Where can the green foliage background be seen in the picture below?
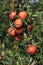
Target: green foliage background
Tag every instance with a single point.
(19, 56)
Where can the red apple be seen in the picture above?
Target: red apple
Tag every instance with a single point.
(11, 31)
(12, 14)
(23, 15)
(31, 49)
(18, 23)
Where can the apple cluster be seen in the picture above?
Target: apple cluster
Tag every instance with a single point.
(18, 29)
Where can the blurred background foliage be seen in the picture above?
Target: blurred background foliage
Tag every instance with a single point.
(19, 56)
